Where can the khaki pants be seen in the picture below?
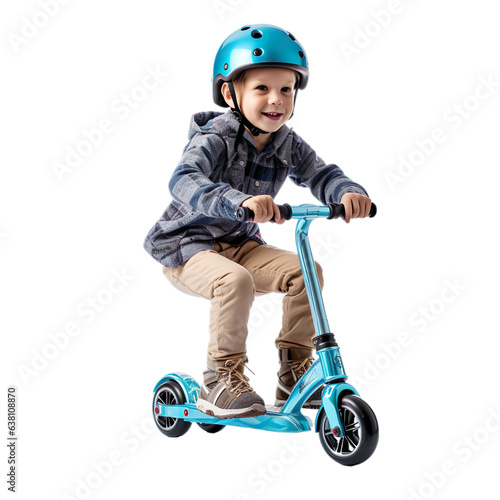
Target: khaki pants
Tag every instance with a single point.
(230, 276)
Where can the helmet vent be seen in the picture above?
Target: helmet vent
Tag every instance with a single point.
(301, 54)
(291, 36)
(256, 34)
(245, 28)
(257, 52)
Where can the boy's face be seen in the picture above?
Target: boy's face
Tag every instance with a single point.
(264, 90)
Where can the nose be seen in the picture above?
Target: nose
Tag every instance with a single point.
(275, 98)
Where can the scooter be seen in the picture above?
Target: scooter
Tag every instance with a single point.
(347, 426)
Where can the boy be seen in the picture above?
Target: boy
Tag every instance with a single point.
(242, 158)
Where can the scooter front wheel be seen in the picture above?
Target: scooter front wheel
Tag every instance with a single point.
(361, 432)
(170, 393)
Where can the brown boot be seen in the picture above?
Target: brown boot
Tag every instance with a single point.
(293, 364)
(226, 393)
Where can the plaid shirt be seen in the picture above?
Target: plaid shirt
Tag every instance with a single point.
(212, 179)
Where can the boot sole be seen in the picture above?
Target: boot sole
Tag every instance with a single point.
(210, 409)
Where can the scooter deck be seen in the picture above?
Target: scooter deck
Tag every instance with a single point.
(273, 420)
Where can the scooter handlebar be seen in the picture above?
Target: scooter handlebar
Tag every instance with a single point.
(338, 210)
(245, 214)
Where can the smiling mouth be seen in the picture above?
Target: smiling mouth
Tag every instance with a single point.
(273, 116)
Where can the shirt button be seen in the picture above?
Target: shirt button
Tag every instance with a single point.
(285, 162)
(242, 162)
(256, 183)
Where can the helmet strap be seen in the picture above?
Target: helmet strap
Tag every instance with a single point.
(294, 99)
(241, 117)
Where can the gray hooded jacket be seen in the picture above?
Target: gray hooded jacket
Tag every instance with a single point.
(212, 179)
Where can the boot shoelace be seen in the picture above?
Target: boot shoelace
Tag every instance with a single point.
(299, 367)
(234, 379)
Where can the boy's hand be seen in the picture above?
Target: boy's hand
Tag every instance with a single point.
(356, 206)
(264, 208)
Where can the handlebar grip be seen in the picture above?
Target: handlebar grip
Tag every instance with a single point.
(245, 214)
(338, 210)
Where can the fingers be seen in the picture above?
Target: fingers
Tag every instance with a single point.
(364, 206)
(277, 214)
(348, 210)
(269, 209)
(356, 206)
(264, 209)
(367, 207)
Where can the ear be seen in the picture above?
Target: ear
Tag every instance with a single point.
(227, 95)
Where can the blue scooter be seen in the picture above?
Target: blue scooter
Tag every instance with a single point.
(347, 426)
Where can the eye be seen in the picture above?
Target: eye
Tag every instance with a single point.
(261, 87)
(286, 89)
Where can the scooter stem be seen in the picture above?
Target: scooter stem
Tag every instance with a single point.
(310, 275)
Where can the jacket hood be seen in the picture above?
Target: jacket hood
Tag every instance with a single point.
(224, 124)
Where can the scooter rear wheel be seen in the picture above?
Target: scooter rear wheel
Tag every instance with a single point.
(361, 432)
(170, 393)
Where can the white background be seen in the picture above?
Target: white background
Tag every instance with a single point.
(433, 247)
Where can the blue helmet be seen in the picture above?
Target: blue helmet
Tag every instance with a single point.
(257, 45)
